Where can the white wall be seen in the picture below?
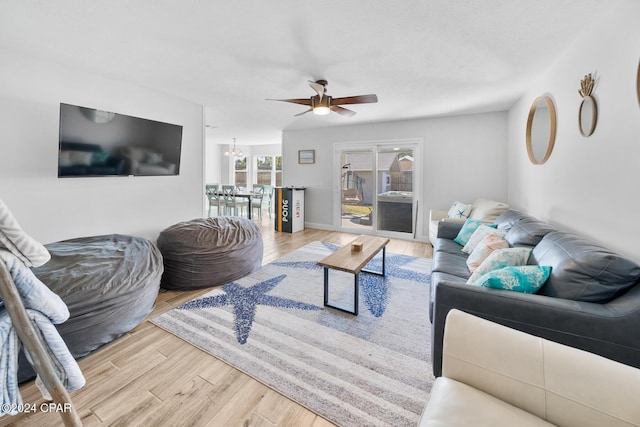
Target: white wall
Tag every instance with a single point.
(52, 209)
(213, 162)
(588, 185)
(464, 157)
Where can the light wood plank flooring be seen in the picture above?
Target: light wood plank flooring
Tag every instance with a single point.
(149, 377)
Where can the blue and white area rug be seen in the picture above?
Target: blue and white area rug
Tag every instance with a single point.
(373, 369)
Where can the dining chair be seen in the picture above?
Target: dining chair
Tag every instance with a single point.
(242, 202)
(228, 199)
(268, 195)
(211, 190)
(258, 199)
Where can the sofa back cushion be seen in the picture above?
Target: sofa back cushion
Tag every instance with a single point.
(581, 270)
(507, 219)
(527, 232)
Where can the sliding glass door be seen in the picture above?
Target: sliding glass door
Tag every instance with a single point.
(395, 198)
(377, 188)
(357, 188)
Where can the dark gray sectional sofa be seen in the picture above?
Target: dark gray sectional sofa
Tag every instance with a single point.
(591, 300)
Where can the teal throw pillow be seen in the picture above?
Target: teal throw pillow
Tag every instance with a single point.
(527, 279)
(470, 225)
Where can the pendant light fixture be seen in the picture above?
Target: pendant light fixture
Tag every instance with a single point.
(233, 152)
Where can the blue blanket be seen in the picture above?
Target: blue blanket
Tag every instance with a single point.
(45, 309)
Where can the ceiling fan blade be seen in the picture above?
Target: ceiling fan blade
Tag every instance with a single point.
(302, 101)
(361, 99)
(304, 112)
(319, 88)
(343, 111)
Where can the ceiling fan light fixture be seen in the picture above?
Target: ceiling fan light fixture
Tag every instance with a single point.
(321, 111)
(321, 105)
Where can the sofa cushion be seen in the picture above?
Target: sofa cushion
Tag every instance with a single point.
(448, 246)
(449, 229)
(455, 265)
(527, 279)
(453, 403)
(487, 210)
(527, 232)
(583, 271)
(500, 259)
(506, 220)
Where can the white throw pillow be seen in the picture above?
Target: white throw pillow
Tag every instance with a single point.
(477, 236)
(459, 210)
(499, 259)
(487, 210)
(486, 247)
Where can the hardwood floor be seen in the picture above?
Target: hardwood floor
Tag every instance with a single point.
(149, 377)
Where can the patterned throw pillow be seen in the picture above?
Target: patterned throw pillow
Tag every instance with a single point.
(477, 236)
(526, 278)
(459, 210)
(486, 247)
(470, 225)
(500, 259)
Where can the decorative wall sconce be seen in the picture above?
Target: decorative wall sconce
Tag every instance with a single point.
(588, 113)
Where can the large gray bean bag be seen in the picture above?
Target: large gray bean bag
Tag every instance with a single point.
(207, 252)
(109, 283)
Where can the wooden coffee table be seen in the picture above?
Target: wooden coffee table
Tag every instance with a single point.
(344, 259)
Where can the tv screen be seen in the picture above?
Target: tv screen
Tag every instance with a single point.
(101, 143)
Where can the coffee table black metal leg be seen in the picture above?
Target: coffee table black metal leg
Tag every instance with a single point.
(356, 287)
(356, 283)
(326, 286)
(384, 257)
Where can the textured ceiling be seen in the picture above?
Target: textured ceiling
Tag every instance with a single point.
(422, 58)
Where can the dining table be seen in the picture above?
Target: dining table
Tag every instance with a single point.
(249, 195)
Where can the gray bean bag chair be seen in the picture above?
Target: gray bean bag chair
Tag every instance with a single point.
(109, 283)
(207, 252)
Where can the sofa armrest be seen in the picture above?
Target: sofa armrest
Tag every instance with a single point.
(496, 360)
(437, 214)
(556, 383)
(598, 328)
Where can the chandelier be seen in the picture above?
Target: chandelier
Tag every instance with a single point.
(233, 152)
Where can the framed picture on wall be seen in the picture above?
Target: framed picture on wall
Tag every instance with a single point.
(306, 156)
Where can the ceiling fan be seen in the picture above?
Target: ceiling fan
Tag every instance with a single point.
(322, 104)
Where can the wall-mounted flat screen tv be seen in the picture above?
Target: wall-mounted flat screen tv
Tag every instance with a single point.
(101, 143)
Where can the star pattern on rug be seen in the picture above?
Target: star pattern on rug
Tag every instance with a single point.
(374, 288)
(245, 301)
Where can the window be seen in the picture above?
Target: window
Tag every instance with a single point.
(240, 171)
(279, 171)
(264, 168)
(268, 170)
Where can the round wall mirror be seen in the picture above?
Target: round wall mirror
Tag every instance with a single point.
(541, 130)
(587, 116)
